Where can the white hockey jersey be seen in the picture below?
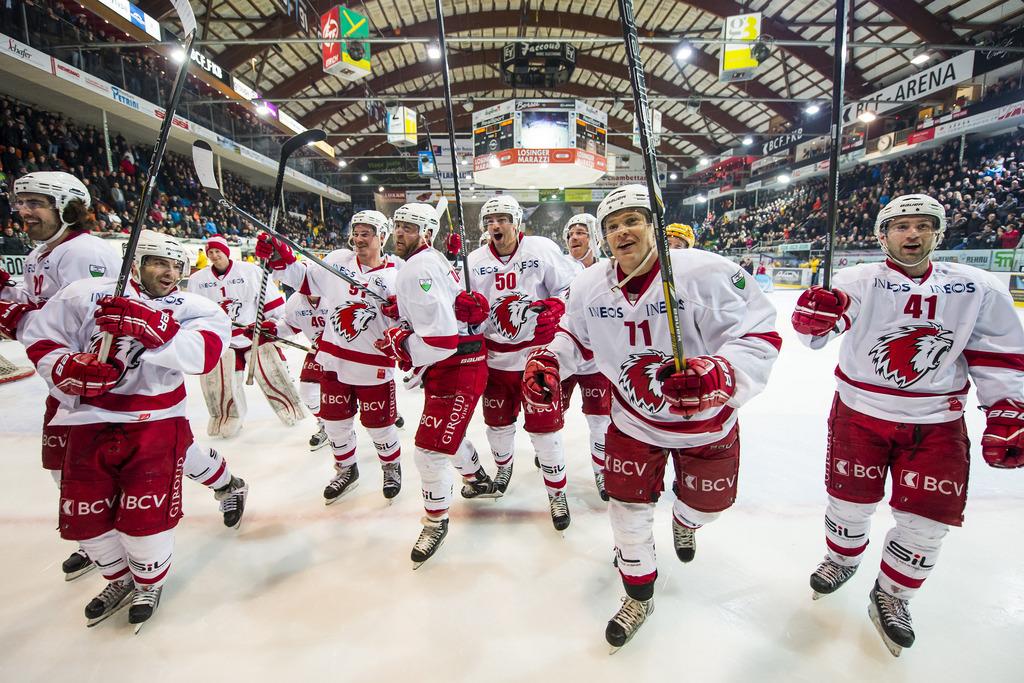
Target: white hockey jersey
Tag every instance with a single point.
(586, 367)
(427, 286)
(721, 312)
(152, 383)
(536, 270)
(236, 291)
(910, 347)
(303, 317)
(354, 321)
(80, 256)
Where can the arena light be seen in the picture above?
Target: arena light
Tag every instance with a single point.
(434, 51)
(177, 55)
(784, 179)
(867, 116)
(342, 163)
(704, 161)
(920, 58)
(683, 52)
(263, 110)
(380, 188)
(701, 199)
(747, 140)
(812, 109)
(468, 104)
(673, 176)
(364, 177)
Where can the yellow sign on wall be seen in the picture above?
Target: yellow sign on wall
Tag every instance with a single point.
(735, 61)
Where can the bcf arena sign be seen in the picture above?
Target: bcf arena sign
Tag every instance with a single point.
(343, 57)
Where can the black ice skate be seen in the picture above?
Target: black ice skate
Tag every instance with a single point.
(891, 617)
(319, 440)
(429, 541)
(536, 462)
(559, 506)
(77, 564)
(144, 604)
(232, 501)
(599, 480)
(399, 421)
(502, 478)
(685, 540)
(479, 485)
(112, 599)
(346, 479)
(627, 621)
(392, 479)
(828, 577)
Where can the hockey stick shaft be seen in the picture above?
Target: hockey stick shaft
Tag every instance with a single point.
(643, 118)
(275, 338)
(838, 83)
(150, 186)
(459, 214)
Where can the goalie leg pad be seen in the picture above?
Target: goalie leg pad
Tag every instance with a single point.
(220, 390)
(273, 380)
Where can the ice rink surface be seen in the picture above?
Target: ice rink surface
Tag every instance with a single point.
(308, 592)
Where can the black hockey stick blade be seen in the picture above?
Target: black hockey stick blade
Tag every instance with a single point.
(202, 159)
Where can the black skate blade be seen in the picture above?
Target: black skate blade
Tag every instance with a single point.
(815, 595)
(893, 648)
(125, 601)
(71, 576)
(350, 489)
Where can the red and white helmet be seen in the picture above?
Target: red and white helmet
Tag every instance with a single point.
(153, 243)
(502, 204)
(590, 223)
(911, 205)
(63, 188)
(375, 219)
(423, 215)
(625, 197)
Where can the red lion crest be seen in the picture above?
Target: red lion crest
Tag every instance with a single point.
(909, 353)
(125, 352)
(508, 314)
(351, 319)
(639, 382)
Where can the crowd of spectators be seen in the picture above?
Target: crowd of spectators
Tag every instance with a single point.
(983, 196)
(36, 140)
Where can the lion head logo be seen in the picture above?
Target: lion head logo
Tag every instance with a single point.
(639, 382)
(125, 352)
(508, 314)
(233, 307)
(351, 319)
(909, 353)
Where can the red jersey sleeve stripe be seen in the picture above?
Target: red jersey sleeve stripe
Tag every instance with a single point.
(41, 349)
(772, 338)
(445, 342)
(213, 347)
(994, 359)
(271, 305)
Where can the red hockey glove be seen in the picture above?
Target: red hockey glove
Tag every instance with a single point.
(11, 315)
(276, 253)
(131, 318)
(390, 309)
(1003, 442)
(82, 374)
(551, 311)
(5, 279)
(707, 382)
(541, 384)
(268, 326)
(471, 307)
(453, 245)
(392, 345)
(818, 310)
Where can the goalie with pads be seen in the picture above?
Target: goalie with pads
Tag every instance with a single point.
(235, 287)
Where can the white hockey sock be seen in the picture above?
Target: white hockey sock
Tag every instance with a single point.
(309, 392)
(466, 460)
(206, 466)
(435, 480)
(911, 550)
(847, 526)
(56, 477)
(688, 517)
(108, 553)
(342, 434)
(387, 442)
(149, 557)
(598, 427)
(633, 530)
(503, 443)
(552, 460)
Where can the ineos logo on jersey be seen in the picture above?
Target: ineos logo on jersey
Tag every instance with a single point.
(891, 286)
(953, 288)
(521, 266)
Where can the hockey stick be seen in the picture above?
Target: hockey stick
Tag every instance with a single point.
(642, 114)
(838, 82)
(275, 338)
(188, 23)
(290, 146)
(461, 230)
(202, 158)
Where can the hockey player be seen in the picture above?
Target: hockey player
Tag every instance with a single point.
(521, 278)
(235, 287)
(356, 376)
(914, 333)
(128, 436)
(308, 315)
(582, 236)
(430, 300)
(616, 317)
(680, 236)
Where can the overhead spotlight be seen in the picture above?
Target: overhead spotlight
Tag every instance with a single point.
(463, 162)
(177, 55)
(468, 104)
(704, 161)
(342, 163)
(380, 188)
(784, 179)
(673, 176)
(693, 104)
(701, 199)
(364, 177)
(867, 116)
(812, 109)
(920, 57)
(434, 51)
(762, 49)
(747, 140)
(263, 110)
(684, 51)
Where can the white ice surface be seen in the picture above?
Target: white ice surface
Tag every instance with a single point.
(304, 591)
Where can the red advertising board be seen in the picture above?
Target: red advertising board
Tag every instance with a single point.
(330, 29)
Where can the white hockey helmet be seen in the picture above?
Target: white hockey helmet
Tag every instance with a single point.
(590, 223)
(62, 187)
(502, 204)
(911, 205)
(153, 243)
(625, 197)
(374, 219)
(423, 215)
